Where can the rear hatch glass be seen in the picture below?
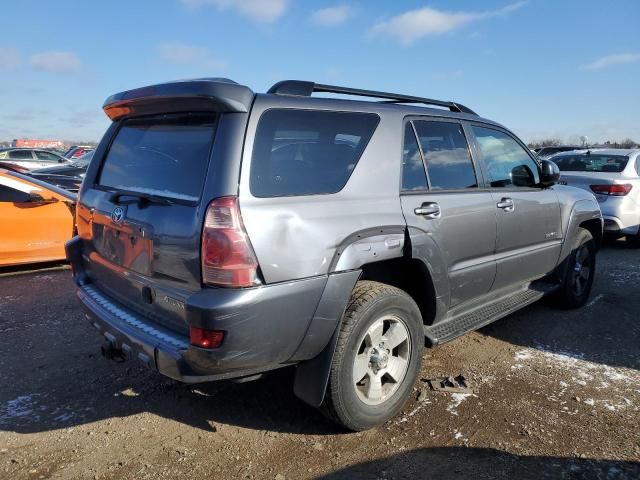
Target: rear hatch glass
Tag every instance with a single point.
(592, 163)
(165, 156)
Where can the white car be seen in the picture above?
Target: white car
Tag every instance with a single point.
(31, 158)
(613, 176)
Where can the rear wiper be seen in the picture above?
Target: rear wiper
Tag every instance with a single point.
(141, 197)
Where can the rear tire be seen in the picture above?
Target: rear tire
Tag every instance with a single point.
(579, 271)
(633, 240)
(377, 357)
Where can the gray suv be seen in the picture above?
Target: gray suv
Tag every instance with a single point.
(223, 234)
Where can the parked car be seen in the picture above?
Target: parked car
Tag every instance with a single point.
(224, 234)
(30, 158)
(546, 152)
(77, 151)
(37, 220)
(68, 176)
(613, 175)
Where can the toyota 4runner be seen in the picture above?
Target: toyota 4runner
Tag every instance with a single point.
(224, 233)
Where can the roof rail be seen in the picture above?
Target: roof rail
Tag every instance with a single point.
(305, 89)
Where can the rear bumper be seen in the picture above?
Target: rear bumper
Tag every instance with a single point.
(265, 328)
(621, 215)
(616, 225)
(259, 335)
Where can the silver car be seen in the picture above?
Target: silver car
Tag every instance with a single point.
(613, 176)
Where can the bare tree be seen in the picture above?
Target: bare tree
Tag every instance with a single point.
(547, 142)
(628, 143)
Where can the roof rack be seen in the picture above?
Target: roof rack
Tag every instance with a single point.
(305, 89)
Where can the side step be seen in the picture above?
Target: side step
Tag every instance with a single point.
(456, 326)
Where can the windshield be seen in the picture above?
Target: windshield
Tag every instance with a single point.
(591, 163)
(165, 156)
(83, 160)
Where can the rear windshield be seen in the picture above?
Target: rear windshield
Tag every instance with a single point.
(591, 163)
(307, 152)
(166, 156)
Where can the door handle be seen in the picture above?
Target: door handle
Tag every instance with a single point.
(506, 204)
(428, 210)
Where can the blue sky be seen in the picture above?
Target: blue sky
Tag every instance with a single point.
(542, 67)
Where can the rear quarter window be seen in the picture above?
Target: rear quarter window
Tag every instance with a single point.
(307, 152)
(592, 163)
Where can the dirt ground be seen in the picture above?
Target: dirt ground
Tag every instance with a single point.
(557, 395)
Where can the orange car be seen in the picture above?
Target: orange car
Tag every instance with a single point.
(36, 219)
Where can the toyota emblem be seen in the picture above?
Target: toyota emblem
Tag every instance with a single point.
(117, 215)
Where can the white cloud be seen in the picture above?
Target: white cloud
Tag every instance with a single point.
(415, 24)
(56, 62)
(258, 10)
(185, 54)
(331, 16)
(9, 58)
(611, 60)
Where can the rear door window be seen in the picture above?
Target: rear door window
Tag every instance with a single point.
(21, 155)
(307, 152)
(446, 155)
(165, 156)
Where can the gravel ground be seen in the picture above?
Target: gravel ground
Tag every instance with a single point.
(556, 395)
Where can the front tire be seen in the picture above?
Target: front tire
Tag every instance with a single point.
(633, 240)
(579, 271)
(377, 357)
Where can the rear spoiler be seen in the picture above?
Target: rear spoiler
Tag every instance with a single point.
(206, 94)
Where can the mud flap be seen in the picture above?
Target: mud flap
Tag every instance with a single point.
(312, 375)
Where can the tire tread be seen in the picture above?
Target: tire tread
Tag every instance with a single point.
(362, 298)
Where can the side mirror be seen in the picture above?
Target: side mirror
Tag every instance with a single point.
(549, 173)
(37, 198)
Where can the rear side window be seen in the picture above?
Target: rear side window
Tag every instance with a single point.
(446, 155)
(591, 163)
(307, 152)
(21, 155)
(413, 174)
(166, 156)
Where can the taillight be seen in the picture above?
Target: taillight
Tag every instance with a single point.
(203, 338)
(228, 258)
(615, 190)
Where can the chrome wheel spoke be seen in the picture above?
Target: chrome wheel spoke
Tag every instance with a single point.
(396, 368)
(375, 333)
(373, 389)
(395, 335)
(360, 367)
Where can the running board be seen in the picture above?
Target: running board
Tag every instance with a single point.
(459, 325)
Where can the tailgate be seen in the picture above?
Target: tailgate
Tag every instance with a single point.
(141, 221)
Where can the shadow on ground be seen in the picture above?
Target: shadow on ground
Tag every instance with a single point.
(448, 463)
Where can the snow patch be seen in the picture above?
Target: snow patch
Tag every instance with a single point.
(456, 400)
(575, 370)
